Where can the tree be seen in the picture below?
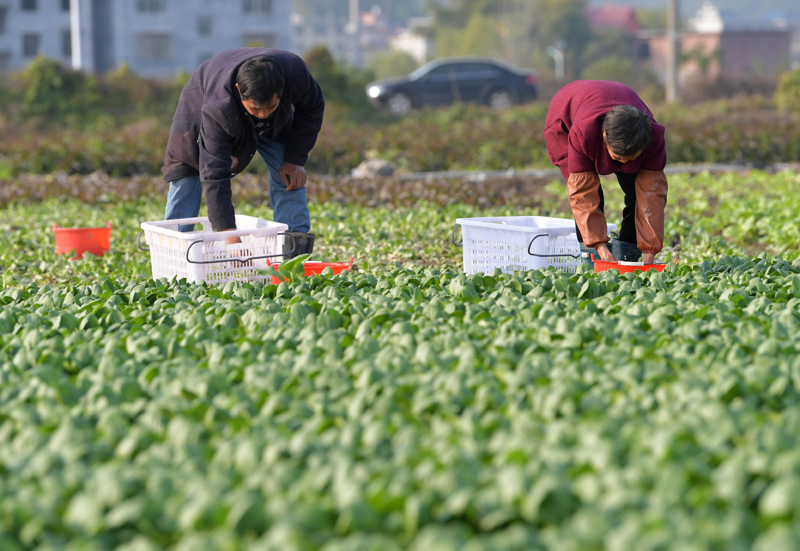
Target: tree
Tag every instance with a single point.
(652, 18)
(392, 63)
(50, 92)
(479, 37)
(787, 95)
(612, 67)
(342, 86)
(499, 28)
(563, 20)
(323, 68)
(607, 43)
(456, 13)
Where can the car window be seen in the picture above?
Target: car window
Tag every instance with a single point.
(474, 67)
(441, 70)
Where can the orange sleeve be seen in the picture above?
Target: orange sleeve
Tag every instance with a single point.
(651, 198)
(584, 199)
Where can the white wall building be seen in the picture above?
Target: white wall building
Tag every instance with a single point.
(156, 38)
(324, 29)
(25, 32)
(411, 41)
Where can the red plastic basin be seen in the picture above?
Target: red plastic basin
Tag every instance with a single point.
(82, 240)
(315, 268)
(626, 267)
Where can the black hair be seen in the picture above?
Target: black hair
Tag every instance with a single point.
(627, 130)
(259, 79)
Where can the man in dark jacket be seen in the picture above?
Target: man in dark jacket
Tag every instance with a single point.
(236, 103)
(597, 127)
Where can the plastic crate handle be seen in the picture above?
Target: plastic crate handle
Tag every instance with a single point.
(453, 237)
(139, 242)
(235, 259)
(535, 237)
(210, 237)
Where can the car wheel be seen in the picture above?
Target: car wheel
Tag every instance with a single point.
(399, 104)
(501, 99)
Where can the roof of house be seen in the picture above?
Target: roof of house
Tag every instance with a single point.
(614, 17)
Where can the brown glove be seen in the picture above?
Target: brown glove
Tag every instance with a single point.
(584, 199)
(651, 198)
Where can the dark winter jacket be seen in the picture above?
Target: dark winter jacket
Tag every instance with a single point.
(213, 135)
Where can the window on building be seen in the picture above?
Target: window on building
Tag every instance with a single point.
(3, 16)
(256, 40)
(28, 5)
(154, 47)
(66, 43)
(204, 26)
(5, 61)
(151, 5)
(257, 6)
(64, 5)
(30, 44)
(643, 51)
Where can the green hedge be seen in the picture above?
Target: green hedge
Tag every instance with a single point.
(459, 138)
(57, 120)
(787, 96)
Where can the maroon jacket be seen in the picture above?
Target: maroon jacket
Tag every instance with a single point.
(573, 129)
(213, 135)
(573, 134)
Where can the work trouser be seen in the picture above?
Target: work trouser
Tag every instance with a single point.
(627, 230)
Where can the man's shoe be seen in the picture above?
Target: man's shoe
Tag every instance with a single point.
(627, 252)
(297, 243)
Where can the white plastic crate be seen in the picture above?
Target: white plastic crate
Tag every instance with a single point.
(203, 255)
(514, 243)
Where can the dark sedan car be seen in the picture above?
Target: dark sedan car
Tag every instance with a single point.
(456, 79)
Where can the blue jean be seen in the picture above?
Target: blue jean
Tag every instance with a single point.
(289, 207)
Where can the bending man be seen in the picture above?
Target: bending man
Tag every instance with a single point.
(236, 103)
(597, 127)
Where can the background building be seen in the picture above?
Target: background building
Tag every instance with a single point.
(32, 27)
(613, 17)
(353, 37)
(155, 38)
(715, 44)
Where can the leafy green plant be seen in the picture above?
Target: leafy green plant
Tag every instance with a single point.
(289, 270)
(787, 96)
(408, 408)
(406, 405)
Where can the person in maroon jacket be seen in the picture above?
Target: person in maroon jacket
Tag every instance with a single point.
(237, 103)
(596, 128)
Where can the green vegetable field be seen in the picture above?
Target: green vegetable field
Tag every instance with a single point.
(403, 405)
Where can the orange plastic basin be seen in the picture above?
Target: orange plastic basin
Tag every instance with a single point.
(315, 268)
(625, 267)
(82, 240)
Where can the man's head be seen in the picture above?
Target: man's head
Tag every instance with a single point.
(626, 131)
(260, 83)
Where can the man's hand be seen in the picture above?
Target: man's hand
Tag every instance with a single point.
(605, 254)
(648, 258)
(294, 176)
(232, 240)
